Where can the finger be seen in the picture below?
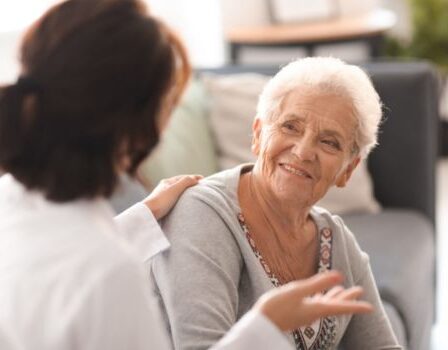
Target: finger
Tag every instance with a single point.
(315, 284)
(179, 178)
(316, 297)
(350, 294)
(189, 180)
(173, 180)
(345, 307)
(182, 184)
(333, 292)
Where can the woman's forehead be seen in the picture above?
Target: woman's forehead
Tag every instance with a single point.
(316, 107)
(322, 125)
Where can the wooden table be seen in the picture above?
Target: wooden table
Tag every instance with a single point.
(369, 28)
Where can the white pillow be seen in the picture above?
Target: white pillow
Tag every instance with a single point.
(232, 107)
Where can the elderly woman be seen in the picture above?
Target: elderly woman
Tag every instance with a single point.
(252, 228)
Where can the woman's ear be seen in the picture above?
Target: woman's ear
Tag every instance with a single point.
(256, 133)
(342, 180)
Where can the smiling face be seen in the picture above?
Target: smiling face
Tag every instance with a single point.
(306, 147)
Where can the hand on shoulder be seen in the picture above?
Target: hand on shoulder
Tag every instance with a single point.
(167, 192)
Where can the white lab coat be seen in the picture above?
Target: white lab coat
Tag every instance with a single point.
(68, 279)
(9, 339)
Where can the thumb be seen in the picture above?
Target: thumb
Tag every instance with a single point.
(189, 180)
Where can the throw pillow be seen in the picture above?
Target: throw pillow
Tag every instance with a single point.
(186, 146)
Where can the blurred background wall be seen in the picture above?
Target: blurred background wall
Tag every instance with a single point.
(201, 23)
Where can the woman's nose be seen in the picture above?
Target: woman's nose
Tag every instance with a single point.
(304, 149)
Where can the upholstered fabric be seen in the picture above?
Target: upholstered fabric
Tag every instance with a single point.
(401, 246)
(129, 192)
(187, 146)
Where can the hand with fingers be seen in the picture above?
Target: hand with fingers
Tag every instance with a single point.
(300, 303)
(167, 192)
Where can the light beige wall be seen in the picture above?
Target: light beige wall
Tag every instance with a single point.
(199, 24)
(15, 17)
(403, 27)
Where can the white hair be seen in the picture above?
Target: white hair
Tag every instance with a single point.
(328, 74)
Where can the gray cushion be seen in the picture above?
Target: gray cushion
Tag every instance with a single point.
(401, 246)
(129, 192)
(397, 324)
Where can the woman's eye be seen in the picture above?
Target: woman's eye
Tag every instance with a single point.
(331, 143)
(289, 127)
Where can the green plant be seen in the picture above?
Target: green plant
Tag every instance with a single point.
(430, 33)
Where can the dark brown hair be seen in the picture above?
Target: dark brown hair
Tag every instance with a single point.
(95, 76)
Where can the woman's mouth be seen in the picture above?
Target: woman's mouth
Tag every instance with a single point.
(296, 171)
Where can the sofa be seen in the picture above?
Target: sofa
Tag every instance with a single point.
(399, 237)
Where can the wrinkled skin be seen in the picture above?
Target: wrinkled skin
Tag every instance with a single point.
(305, 148)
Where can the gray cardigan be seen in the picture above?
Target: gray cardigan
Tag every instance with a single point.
(210, 277)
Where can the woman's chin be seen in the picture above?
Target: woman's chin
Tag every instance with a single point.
(295, 196)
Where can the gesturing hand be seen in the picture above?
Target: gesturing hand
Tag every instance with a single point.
(300, 303)
(167, 192)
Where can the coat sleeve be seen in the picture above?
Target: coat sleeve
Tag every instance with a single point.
(253, 331)
(141, 230)
(120, 312)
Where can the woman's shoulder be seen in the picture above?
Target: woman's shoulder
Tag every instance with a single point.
(206, 213)
(216, 196)
(202, 226)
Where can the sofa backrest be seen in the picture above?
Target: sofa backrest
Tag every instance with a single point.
(403, 166)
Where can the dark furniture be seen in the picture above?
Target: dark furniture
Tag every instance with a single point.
(368, 28)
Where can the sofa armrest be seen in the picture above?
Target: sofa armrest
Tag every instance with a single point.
(403, 166)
